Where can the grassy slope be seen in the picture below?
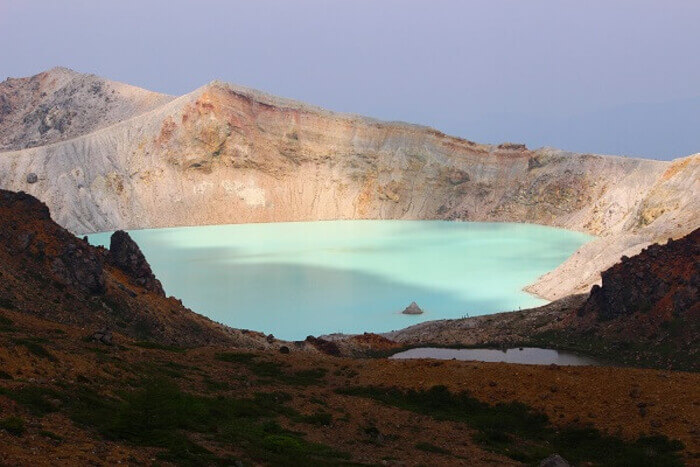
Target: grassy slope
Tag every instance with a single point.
(80, 401)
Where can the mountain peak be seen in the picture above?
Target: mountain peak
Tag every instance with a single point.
(61, 103)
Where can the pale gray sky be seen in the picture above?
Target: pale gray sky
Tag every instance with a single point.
(608, 76)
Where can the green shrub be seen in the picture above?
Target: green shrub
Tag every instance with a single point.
(518, 431)
(13, 425)
(35, 348)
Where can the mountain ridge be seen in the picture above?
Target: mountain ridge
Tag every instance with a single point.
(229, 154)
(61, 103)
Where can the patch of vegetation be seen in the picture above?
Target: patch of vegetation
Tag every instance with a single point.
(521, 433)
(159, 346)
(305, 377)
(35, 348)
(159, 414)
(13, 425)
(318, 418)
(5, 375)
(427, 447)
(8, 305)
(316, 400)
(214, 385)
(274, 371)
(6, 324)
(38, 400)
(232, 357)
(662, 354)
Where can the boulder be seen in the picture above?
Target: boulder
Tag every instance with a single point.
(412, 309)
(32, 178)
(103, 336)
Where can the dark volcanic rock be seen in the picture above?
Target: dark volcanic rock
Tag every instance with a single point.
(125, 254)
(103, 336)
(457, 176)
(647, 309)
(327, 347)
(512, 146)
(32, 178)
(661, 279)
(80, 267)
(72, 262)
(534, 163)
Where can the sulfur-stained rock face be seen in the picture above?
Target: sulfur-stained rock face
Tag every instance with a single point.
(227, 154)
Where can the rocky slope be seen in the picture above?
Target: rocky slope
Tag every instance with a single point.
(662, 282)
(48, 273)
(225, 154)
(650, 301)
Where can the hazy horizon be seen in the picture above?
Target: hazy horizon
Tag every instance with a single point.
(618, 78)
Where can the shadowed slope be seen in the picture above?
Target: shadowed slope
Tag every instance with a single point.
(49, 273)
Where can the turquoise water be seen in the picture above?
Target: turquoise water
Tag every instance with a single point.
(310, 278)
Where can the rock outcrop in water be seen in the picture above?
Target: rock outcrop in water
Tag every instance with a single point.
(412, 309)
(226, 154)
